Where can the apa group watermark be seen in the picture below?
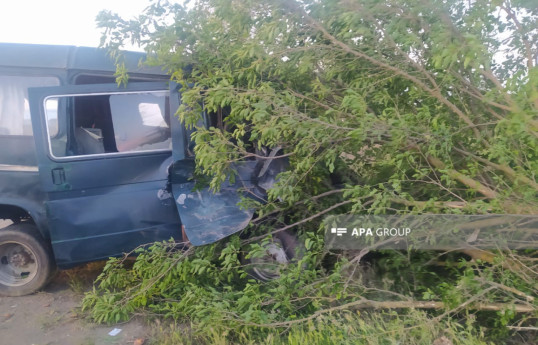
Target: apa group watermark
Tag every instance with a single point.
(339, 231)
(379, 232)
(443, 232)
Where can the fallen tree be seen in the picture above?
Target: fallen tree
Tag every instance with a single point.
(382, 107)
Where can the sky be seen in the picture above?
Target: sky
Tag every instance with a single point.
(67, 22)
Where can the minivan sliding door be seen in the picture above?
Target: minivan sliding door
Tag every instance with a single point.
(103, 155)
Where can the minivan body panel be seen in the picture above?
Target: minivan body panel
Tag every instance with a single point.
(93, 206)
(210, 216)
(102, 205)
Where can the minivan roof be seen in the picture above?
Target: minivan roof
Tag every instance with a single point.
(70, 57)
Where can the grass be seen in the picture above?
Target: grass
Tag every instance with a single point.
(375, 328)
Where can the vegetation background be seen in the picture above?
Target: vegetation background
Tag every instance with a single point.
(382, 107)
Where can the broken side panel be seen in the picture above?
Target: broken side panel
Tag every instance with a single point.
(208, 216)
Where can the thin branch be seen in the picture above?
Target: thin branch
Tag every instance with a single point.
(511, 173)
(305, 220)
(315, 197)
(466, 180)
(508, 289)
(519, 28)
(520, 328)
(443, 204)
(369, 304)
(249, 154)
(435, 93)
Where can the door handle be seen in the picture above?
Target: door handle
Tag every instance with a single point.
(58, 176)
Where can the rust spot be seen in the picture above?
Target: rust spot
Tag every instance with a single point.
(184, 236)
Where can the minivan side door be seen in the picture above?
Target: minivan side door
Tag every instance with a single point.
(104, 154)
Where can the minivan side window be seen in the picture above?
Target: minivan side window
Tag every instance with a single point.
(110, 123)
(14, 106)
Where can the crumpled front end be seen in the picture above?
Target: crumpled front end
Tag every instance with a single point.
(207, 216)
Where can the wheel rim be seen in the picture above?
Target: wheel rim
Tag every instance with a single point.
(18, 264)
(268, 266)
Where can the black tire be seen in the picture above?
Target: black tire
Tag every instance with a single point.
(26, 261)
(284, 249)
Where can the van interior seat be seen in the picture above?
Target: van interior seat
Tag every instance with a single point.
(89, 141)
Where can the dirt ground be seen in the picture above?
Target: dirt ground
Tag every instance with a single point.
(53, 317)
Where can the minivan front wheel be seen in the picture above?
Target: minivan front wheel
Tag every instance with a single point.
(283, 249)
(25, 260)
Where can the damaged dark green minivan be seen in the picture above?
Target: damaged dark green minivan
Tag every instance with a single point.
(90, 170)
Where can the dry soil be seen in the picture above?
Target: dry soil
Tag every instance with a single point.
(53, 317)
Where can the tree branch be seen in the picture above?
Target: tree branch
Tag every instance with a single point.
(519, 29)
(369, 304)
(435, 93)
(287, 227)
(511, 173)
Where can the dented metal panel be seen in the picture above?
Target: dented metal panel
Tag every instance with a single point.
(209, 216)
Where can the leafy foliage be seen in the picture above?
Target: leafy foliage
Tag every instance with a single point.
(382, 107)
(209, 288)
(400, 102)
